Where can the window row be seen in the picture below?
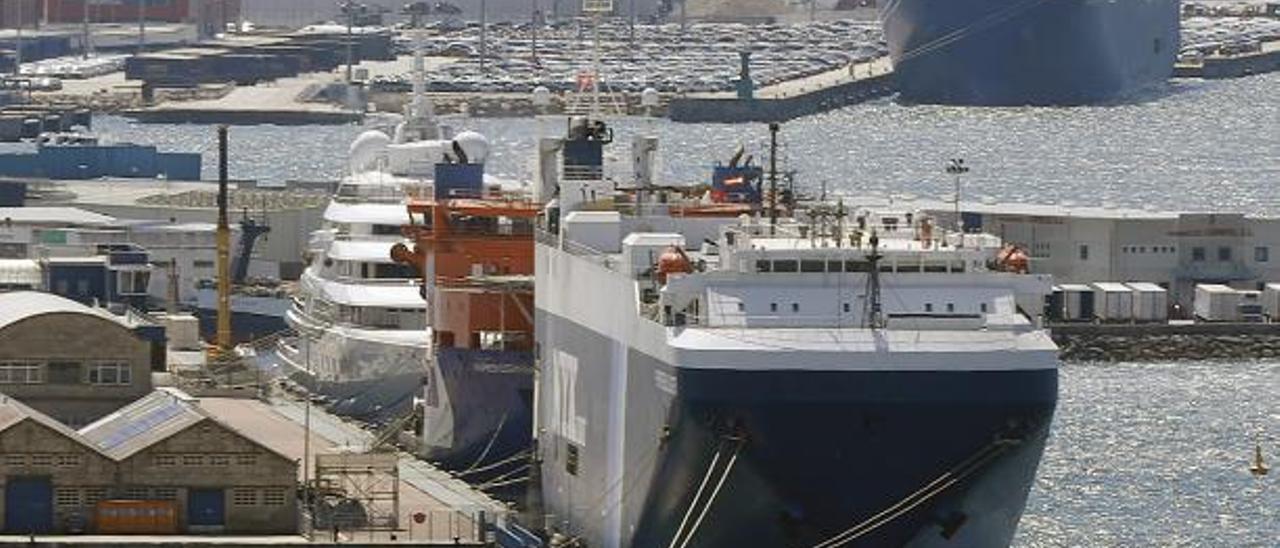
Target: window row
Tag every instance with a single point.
(837, 267)
(65, 372)
(69, 497)
(1145, 249)
(248, 496)
(199, 459)
(65, 460)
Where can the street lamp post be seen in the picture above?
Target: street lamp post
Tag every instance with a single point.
(957, 168)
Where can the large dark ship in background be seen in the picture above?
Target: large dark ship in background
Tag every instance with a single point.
(1029, 52)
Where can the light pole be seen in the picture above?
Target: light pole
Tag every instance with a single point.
(957, 168)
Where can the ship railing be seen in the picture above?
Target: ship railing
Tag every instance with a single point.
(601, 258)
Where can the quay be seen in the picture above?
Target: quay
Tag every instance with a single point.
(1265, 59)
(791, 99)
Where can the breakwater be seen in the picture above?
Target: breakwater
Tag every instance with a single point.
(1166, 342)
(792, 99)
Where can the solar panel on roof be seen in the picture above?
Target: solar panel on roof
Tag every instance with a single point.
(146, 416)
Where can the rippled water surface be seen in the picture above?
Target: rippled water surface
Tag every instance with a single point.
(1192, 145)
(1158, 455)
(1140, 455)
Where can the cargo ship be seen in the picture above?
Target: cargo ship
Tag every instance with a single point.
(718, 371)
(1029, 52)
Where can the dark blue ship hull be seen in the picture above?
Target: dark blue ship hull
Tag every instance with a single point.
(835, 449)
(478, 415)
(1029, 52)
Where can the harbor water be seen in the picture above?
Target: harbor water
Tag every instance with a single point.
(1140, 454)
(1188, 145)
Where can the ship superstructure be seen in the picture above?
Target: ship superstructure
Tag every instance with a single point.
(474, 248)
(1029, 52)
(818, 376)
(363, 326)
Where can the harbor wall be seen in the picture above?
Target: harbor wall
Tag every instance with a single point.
(781, 107)
(1166, 342)
(1234, 66)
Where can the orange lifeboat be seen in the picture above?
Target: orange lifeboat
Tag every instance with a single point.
(1013, 259)
(673, 261)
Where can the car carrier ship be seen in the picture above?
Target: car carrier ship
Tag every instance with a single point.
(1029, 52)
(717, 368)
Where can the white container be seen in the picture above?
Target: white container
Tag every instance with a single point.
(1271, 301)
(1114, 301)
(1150, 302)
(1217, 303)
(182, 330)
(1078, 302)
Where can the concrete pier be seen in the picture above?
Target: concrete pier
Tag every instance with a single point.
(792, 99)
(1266, 59)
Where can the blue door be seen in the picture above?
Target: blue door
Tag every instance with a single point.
(28, 505)
(206, 508)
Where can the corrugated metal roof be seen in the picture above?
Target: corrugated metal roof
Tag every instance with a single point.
(150, 420)
(143, 423)
(20, 272)
(20, 305)
(13, 412)
(54, 215)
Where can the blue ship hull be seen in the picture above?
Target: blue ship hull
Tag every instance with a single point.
(1029, 52)
(478, 415)
(838, 448)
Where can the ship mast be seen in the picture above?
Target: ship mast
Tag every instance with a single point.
(597, 9)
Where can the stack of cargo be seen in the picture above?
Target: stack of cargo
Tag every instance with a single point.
(1217, 303)
(1271, 301)
(1077, 302)
(1114, 302)
(1150, 302)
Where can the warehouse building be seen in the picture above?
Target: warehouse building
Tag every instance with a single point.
(168, 448)
(73, 362)
(163, 455)
(50, 474)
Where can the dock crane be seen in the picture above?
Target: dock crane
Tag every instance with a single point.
(223, 341)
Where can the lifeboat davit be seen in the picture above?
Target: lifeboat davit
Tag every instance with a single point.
(673, 261)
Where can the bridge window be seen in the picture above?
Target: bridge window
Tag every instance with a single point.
(857, 266)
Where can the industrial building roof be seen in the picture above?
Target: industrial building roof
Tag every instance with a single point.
(54, 215)
(20, 305)
(13, 412)
(20, 272)
(150, 420)
(142, 423)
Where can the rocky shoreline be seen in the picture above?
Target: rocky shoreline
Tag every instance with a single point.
(1165, 342)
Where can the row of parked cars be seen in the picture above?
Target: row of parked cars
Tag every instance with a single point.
(701, 57)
